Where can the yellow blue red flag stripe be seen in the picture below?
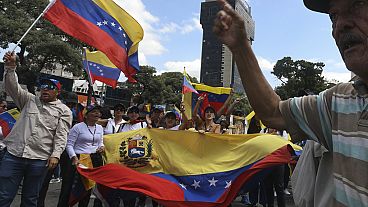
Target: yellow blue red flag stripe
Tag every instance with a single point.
(187, 168)
(101, 68)
(103, 25)
(7, 120)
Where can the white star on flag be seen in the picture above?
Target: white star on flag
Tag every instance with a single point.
(120, 29)
(126, 42)
(90, 64)
(105, 22)
(99, 24)
(94, 65)
(100, 70)
(196, 184)
(102, 74)
(183, 186)
(228, 184)
(113, 24)
(124, 35)
(213, 182)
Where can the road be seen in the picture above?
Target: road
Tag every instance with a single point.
(54, 189)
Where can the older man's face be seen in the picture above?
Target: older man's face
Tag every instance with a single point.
(350, 31)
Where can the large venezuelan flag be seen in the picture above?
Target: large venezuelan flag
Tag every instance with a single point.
(187, 169)
(216, 97)
(103, 25)
(7, 120)
(101, 68)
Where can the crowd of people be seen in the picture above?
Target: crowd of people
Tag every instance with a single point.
(335, 119)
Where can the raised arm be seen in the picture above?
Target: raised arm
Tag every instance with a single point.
(11, 85)
(184, 117)
(225, 105)
(230, 29)
(195, 117)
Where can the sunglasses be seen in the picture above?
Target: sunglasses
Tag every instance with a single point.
(47, 87)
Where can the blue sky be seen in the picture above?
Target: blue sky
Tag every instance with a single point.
(173, 35)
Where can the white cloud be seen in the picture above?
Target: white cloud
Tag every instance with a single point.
(341, 77)
(264, 64)
(193, 68)
(184, 27)
(151, 43)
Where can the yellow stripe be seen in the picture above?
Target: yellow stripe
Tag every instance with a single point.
(190, 153)
(100, 58)
(187, 99)
(130, 25)
(14, 113)
(216, 90)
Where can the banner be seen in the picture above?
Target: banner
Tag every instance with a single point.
(185, 168)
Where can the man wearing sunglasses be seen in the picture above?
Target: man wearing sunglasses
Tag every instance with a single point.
(37, 139)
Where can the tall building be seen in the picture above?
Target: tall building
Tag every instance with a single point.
(217, 66)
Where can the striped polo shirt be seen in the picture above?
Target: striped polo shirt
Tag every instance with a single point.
(338, 119)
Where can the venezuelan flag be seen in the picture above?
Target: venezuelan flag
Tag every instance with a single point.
(215, 97)
(187, 85)
(7, 120)
(101, 24)
(101, 68)
(187, 169)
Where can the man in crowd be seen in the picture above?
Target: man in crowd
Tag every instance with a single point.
(337, 118)
(37, 139)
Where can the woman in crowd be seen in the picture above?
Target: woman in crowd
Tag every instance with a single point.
(112, 125)
(207, 124)
(85, 139)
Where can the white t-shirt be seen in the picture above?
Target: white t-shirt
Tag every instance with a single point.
(175, 128)
(112, 127)
(129, 127)
(83, 139)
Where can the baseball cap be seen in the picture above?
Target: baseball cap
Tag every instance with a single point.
(90, 108)
(318, 5)
(54, 82)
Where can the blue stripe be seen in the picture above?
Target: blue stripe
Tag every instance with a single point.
(205, 192)
(133, 60)
(9, 119)
(91, 12)
(324, 119)
(349, 150)
(297, 112)
(347, 106)
(110, 73)
(341, 197)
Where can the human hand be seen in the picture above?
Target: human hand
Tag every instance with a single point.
(75, 161)
(52, 162)
(202, 97)
(229, 27)
(10, 59)
(100, 149)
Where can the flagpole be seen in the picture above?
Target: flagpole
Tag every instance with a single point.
(89, 78)
(29, 29)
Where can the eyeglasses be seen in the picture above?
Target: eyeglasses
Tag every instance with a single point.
(47, 87)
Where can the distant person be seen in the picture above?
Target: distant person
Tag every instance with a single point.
(205, 123)
(37, 140)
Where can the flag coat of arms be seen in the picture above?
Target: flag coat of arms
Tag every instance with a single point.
(101, 24)
(185, 168)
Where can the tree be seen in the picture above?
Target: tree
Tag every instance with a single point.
(299, 77)
(45, 47)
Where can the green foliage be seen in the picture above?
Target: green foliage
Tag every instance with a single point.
(45, 47)
(299, 78)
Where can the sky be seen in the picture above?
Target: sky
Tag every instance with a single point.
(173, 35)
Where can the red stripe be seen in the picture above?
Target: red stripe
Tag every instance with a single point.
(5, 127)
(110, 82)
(82, 29)
(120, 177)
